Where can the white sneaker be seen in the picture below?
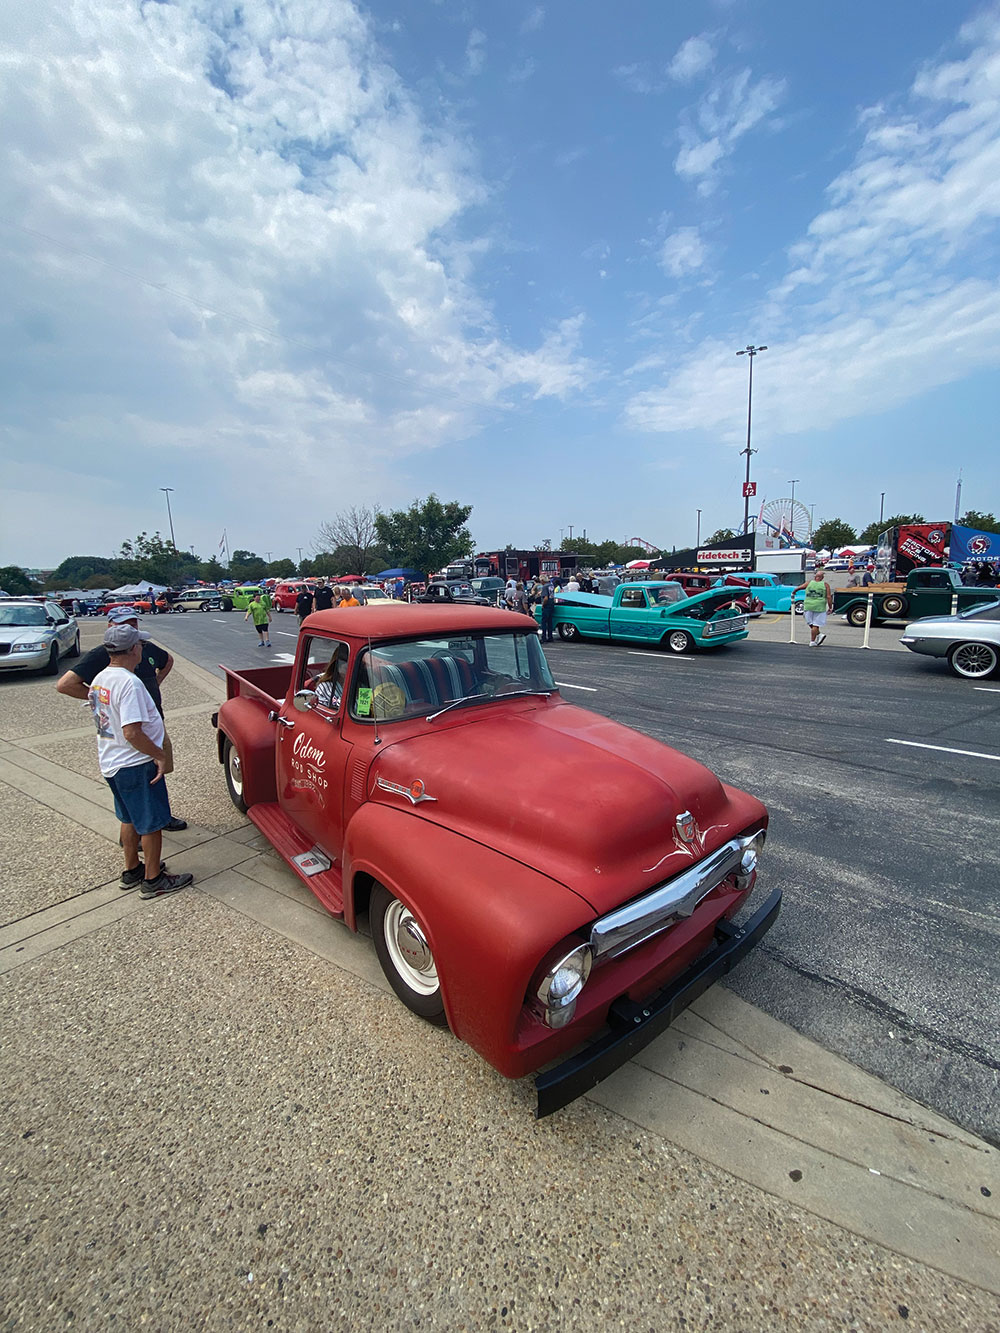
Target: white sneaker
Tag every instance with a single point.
(820, 638)
(812, 643)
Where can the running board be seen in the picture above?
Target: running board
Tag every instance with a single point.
(290, 843)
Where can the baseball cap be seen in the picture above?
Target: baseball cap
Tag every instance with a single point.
(121, 638)
(124, 615)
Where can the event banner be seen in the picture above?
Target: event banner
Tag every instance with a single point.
(971, 544)
(920, 544)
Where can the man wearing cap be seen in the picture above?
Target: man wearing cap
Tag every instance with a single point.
(154, 666)
(130, 750)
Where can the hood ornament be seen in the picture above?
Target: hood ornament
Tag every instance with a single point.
(687, 833)
(414, 793)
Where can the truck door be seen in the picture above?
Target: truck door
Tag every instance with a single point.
(311, 753)
(633, 618)
(929, 593)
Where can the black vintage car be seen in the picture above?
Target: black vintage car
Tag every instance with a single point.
(461, 593)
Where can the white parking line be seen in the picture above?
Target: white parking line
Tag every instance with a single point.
(662, 657)
(287, 633)
(987, 689)
(216, 621)
(565, 685)
(945, 749)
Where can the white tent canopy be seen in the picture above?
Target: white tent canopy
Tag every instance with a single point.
(137, 589)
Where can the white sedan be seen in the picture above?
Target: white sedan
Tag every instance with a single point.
(970, 641)
(35, 635)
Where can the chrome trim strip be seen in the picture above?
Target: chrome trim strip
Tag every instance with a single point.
(634, 923)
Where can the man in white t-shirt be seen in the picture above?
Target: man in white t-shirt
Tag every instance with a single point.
(130, 736)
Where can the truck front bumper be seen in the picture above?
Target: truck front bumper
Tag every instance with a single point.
(633, 1026)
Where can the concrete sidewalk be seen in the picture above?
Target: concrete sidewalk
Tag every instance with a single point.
(215, 1112)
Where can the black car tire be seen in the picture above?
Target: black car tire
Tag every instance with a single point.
(394, 927)
(227, 603)
(51, 667)
(568, 632)
(678, 641)
(204, 606)
(234, 775)
(973, 661)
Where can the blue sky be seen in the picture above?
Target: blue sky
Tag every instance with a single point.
(290, 257)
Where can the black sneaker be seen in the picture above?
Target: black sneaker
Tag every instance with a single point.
(131, 879)
(164, 884)
(175, 825)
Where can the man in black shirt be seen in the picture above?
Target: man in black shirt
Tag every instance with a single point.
(155, 665)
(323, 596)
(303, 604)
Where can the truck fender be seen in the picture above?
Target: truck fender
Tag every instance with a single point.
(245, 724)
(489, 920)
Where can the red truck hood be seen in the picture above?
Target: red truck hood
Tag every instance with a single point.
(584, 800)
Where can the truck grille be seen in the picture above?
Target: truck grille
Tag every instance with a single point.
(4, 648)
(728, 626)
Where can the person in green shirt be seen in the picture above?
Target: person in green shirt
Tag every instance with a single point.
(261, 617)
(818, 601)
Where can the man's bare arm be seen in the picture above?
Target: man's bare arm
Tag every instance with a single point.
(137, 738)
(72, 686)
(165, 670)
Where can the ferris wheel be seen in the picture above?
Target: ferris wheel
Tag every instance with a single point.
(788, 519)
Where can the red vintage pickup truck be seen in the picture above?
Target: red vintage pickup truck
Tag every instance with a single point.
(552, 885)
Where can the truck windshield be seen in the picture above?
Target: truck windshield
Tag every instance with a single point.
(395, 681)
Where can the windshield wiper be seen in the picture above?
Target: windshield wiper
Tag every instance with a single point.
(477, 698)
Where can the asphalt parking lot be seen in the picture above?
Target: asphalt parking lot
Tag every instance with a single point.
(880, 772)
(214, 1113)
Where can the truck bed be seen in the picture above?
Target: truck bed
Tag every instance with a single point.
(268, 684)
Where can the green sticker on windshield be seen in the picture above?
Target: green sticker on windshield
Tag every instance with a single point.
(363, 703)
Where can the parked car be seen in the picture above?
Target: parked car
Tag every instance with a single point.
(35, 635)
(489, 587)
(242, 596)
(285, 593)
(774, 591)
(656, 613)
(202, 599)
(417, 783)
(969, 641)
(440, 592)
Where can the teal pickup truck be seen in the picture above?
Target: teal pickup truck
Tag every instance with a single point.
(655, 613)
(929, 591)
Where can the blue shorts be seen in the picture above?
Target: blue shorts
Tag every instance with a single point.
(137, 801)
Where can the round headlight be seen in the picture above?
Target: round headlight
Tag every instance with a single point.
(563, 982)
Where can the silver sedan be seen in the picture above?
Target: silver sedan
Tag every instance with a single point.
(970, 641)
(35, 634)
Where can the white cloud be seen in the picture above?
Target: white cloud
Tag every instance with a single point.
(731, 108)
(683, 252)
(892, 291)
(475, 52)
(232, 233)
(533, 20)
(693, 57)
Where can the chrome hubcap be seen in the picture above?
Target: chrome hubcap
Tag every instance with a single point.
(975, 659)
(409, 950)
(235, 771)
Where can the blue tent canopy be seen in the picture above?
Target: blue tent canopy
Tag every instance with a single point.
(410, 575)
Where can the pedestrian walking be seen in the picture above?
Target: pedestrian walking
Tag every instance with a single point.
(304, 604)
(134, 760)
(261, 617)
(155, 664)
(323, 596)
(818, 602)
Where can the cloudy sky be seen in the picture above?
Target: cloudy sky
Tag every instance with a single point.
(285, 256)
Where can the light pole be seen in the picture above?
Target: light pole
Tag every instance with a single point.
(299, 549)
(793, 483)
(812, 519)
(791, 517)
(166, 491)
(749, 351)
(697, 540)
(881, 507)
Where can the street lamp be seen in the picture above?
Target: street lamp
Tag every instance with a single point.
(793, 483)
(697, 540)
(166, 491)
(299, 549)
(881, 507)
(748, 351)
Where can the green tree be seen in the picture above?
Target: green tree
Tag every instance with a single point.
(76, 569)
(972, 518)
(870, 535)
(247, 566)
(281, 569)
(720, 535)
(149, 557)
(14, 580)
(833, 532)
(426, 536)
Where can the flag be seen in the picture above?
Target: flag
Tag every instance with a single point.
(222, 544)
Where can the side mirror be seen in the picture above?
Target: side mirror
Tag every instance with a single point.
(304, 700)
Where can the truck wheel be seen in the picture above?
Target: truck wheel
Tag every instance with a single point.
(893, 606)
(799, 608)
(858, 615)
(568, 632)
(234, 775)
(679, 641)
(405, 955)
(227, 603)
(51, 667)
(973, 660)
